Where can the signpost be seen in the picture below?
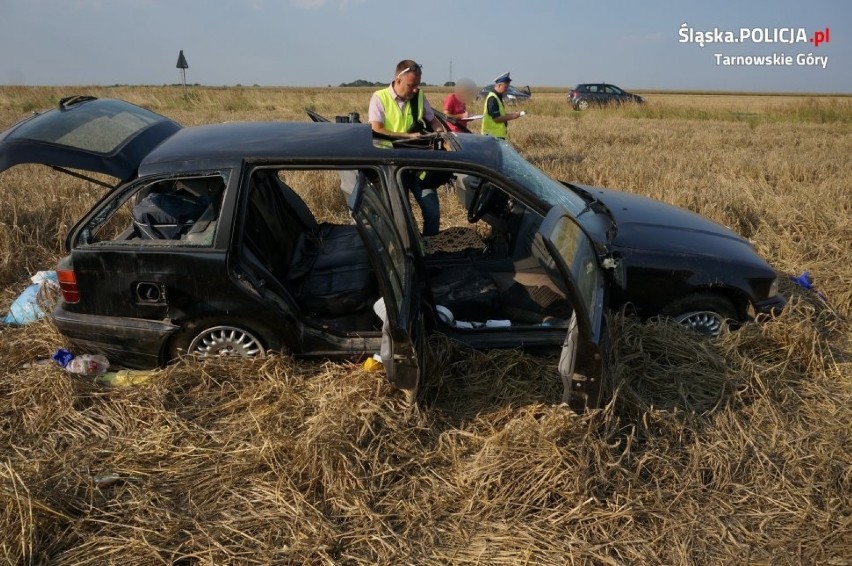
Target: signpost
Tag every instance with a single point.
(183, 66)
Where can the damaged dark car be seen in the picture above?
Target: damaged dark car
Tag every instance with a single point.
(208, 246)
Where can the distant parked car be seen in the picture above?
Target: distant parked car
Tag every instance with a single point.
(513, 94)
(600, 94)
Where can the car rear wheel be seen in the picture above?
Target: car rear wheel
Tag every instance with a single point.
(211, 337)
(583, 105)
(705, 313)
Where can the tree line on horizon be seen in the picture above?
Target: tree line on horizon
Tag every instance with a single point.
(365, 83)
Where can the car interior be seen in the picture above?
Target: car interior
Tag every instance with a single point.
(504, 277)
(170, 212)
(490, 274)
(325, 269)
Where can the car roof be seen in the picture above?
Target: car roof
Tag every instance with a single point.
(231, 143)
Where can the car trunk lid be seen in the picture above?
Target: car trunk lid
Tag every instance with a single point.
(104, 136)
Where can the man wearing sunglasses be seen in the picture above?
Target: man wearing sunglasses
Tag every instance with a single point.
(401, 111)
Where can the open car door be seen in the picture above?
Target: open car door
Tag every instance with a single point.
(391, 255)
(568, 255)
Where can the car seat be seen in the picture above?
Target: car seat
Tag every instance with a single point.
(325, 266)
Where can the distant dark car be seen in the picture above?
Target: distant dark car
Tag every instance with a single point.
(600, 94)
(513, 94)
(208, 247)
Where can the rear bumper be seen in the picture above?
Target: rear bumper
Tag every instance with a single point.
(771, 306)
(126, 342)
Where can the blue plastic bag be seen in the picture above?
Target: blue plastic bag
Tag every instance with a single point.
(805, 281)
(62, 357)
(25, 309)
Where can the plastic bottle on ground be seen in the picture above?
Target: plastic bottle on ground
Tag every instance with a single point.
(88, 365)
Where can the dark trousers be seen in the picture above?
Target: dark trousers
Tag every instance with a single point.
(427, 199)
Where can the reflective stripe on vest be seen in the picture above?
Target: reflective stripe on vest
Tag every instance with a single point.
(489, 126)
(396, 120)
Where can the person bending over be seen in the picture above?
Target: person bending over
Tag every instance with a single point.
(401, 111)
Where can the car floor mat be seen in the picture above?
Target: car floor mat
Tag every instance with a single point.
(453, 240)
(533, 304)
(469, 293)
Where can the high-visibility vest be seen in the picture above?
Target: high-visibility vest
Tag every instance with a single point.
(396, 120)
(489, 126)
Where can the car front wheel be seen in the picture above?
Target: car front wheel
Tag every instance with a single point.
(208, 338)
(705, 313)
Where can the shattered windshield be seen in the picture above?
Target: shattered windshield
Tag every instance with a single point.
(515, 167)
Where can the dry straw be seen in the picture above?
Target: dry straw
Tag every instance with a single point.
(705, 451)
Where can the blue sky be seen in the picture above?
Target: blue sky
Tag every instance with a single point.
(322, 42)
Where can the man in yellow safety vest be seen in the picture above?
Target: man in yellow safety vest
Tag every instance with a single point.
(494, 117)
(401, 111)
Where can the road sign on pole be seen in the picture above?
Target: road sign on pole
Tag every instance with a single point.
(183, 66)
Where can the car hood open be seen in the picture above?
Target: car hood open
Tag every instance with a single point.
(99, 135)
(647, 224)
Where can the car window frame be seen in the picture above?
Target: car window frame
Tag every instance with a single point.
(595, 304)
(406, 217)
(124, 193)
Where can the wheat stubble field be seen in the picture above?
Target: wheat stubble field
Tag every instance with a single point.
(733, 451)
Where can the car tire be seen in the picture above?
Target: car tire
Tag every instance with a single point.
(706, 313)
(222, 336)
(582, 105)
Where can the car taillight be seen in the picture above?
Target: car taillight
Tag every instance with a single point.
(68, 284)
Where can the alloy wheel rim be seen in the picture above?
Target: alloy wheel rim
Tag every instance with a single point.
(705, 322)
(226, 341)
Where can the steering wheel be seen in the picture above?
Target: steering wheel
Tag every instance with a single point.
(483, 199)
